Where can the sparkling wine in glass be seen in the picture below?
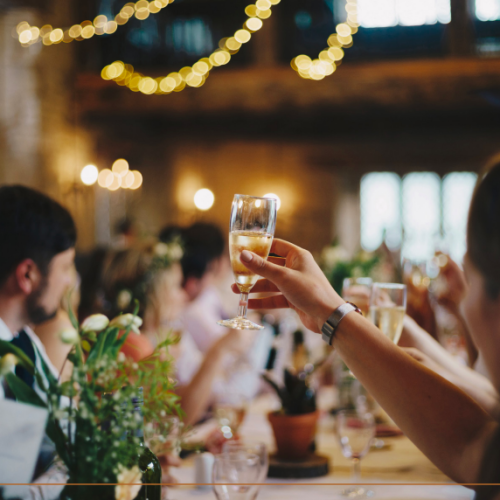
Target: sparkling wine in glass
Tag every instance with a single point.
(251, 227)
(388, 308)
(355, 432)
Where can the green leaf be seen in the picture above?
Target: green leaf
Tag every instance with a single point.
(72, 316)
(46, 370)
(25, 361)
(23, 392)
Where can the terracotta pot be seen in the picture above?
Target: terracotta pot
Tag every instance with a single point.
(293, 434)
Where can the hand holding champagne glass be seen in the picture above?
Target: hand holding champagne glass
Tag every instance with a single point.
(388, 308)
(251, 227)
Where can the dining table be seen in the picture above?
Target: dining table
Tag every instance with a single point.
(393, 469)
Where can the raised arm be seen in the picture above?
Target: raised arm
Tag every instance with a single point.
(438, 359)
(445, 423)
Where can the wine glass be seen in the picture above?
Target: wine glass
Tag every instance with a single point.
(236, 476)
(251, 227)
(388, 308)
(358, 291)
(355, 432)
(163, 437)
(230, 410)
(245, 449)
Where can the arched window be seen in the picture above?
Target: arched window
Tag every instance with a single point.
(487, 10)
(384, 13)
(421, 213)
(457, 193)
(421, 207)
(380, 210)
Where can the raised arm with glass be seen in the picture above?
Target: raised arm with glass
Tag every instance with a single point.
(251, 227)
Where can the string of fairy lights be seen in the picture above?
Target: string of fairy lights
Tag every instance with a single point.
(196, 75)
(29, 35)
(328, 60)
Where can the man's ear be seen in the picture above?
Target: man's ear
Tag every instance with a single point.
(27, 276)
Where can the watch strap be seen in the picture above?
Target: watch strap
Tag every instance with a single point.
(331, 324)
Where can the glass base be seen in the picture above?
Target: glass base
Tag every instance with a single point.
(357, 492)
(240, 324)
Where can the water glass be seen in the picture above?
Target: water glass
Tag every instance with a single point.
(236, 476)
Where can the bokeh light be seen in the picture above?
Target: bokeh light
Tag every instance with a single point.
(276, 197)
(137, 180)
(204, 199)
(89, 175)
(120, 167)
(105, 178)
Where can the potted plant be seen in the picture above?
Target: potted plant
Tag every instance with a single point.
(294, 426)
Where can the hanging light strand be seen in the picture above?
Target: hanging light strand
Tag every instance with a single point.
(29, 35)
(330, 58)
(197, 74)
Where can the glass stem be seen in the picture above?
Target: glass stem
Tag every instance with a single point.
(242, 309)
(356, 470)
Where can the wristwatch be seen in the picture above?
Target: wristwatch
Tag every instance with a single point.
(331, 324)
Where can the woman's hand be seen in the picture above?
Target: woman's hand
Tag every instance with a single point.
(455, 287)
(300, 284)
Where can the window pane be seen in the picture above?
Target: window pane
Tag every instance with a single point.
(421, 215)
(457, 192)
(488, 10)
(383, 13)
(380, 210)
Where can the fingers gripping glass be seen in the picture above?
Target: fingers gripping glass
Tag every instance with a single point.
(251, 227)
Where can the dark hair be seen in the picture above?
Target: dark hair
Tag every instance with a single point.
(483, 229)
(89, 267)
(203, 243)
(124, 226)
(32, 226)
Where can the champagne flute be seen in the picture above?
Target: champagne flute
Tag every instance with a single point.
(251, 227)
(388, 308)
(355, 432)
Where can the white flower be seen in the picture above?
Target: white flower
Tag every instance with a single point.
(69, 336)
(95, 323)
(125, 490)
(161, 249)
(175, 251)
(123, 300)
(7, 363)
(121, 357)
(126, 320)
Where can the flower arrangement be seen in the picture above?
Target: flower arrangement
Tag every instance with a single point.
(337, 265)
(92, 421)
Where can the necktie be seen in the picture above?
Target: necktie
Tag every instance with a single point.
(23, 342)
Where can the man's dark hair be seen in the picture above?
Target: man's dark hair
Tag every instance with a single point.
(203, 243)
(32, 226)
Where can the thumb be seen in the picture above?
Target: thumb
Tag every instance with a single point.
(262, 267)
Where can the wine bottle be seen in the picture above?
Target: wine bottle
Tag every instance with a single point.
(147, 461)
